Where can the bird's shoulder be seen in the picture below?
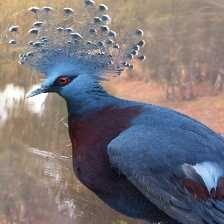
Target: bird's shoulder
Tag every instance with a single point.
(162, 119)
(165, 132)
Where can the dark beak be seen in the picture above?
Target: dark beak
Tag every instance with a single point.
(37, 92)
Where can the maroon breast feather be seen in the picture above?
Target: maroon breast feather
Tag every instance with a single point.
(90, 136)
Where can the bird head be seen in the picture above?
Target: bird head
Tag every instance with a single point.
(71, 53)
(67, 77)
(61, 81)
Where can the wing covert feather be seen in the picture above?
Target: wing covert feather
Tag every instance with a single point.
(152, 159)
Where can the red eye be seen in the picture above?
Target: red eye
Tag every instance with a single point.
(63, 80)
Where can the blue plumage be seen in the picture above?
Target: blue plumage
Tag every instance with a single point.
(90, 42)
(129, 153)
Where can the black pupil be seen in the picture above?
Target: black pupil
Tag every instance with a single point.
(63, 81)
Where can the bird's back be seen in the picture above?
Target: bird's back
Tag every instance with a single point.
(175, 161)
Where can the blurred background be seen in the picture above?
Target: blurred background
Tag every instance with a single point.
(184, 70)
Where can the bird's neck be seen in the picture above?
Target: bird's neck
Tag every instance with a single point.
(92, 98)
(95, 118)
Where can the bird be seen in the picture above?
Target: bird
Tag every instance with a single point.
(134, 156)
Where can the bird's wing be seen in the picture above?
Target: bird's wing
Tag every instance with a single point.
(174, 168)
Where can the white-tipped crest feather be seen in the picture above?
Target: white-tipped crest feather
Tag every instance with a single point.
(87, 39)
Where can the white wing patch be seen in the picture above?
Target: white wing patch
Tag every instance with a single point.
(210, 173)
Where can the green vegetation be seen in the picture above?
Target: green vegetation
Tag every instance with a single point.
(120, 222)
